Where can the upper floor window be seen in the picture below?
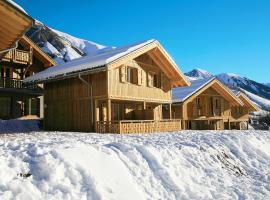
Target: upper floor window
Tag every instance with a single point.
(130, 75)
(153, 80)
(198, 102)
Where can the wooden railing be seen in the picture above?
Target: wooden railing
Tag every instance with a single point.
(14, 83)
(138, 126)
(19, 56)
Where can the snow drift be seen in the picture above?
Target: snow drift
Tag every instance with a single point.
(184, 165)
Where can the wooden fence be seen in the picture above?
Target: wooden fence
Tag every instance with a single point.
(138, 126)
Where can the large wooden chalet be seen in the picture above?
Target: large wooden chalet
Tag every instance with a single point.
(123, 90)
(209, 105)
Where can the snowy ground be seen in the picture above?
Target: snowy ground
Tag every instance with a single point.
(183, 165)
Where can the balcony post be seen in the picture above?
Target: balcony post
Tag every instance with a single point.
(170, 110)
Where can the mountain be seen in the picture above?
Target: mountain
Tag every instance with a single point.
(234, 80)
(198, 74)
(257, 92)
(267, 84)
(60, 46)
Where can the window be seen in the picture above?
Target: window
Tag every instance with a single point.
(198, 102)
(154, 80)
(129, 75)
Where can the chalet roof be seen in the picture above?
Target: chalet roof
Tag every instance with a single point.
(246, 100)
(14, 22)
(181, 94)
(101, 60)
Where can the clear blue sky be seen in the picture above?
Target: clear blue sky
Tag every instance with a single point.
(216, 35)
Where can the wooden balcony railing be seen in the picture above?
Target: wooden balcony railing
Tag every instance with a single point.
(18, 84)
(138, 126)
(19, 56)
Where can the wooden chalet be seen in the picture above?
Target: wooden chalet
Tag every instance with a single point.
(240, 114)
(16, 98)
(205, 105)
(121, 90)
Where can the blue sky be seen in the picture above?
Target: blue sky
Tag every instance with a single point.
(215, 35)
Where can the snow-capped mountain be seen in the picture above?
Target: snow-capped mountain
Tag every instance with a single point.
(198, 74)
(259, 93)
(60, 46)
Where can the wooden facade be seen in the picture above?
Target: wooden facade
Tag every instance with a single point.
(130, 95)
(16, 98)
(209, 108)
(240, 114)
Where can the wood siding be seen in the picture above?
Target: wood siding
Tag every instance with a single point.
(68, 102)
(119, 89)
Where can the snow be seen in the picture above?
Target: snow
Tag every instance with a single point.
(259, 101)
(180, 94)
(99, 60)
(16, 5)
(180, 165)
(198, 74)
(85, 46)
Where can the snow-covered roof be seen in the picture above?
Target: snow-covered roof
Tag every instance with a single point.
(180, 94)
(91, 62)
(16, 5)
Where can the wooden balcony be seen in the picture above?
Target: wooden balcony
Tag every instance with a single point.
(138, 126)
(18, 56)
(16, 84)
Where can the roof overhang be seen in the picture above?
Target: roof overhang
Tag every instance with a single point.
(220, 88)
(13, 24)
(247, 102)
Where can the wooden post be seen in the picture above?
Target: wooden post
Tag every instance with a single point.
(29, 107)
(109, 107)
(170, 110)
(229, 124)
(96, 114)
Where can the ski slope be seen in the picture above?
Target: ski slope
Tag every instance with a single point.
(181, 165)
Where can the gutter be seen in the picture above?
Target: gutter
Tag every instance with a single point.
(90, 90)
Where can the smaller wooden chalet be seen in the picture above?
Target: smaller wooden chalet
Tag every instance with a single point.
(121, 90)
(16, 98)
(240, 114)
(206, 104)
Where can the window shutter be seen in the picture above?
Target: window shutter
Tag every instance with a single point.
(140, 76)
(149, 80)
(222, 106)
(123, 74)
(194, 109)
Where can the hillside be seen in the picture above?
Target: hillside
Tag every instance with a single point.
(61, 46)
(184, 165)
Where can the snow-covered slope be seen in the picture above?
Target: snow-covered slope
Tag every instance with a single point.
(234, 80)
(198, 73)
(260, 101)
(61, 46)
(184, 165)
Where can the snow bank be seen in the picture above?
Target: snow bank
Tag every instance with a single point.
(184, 165)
